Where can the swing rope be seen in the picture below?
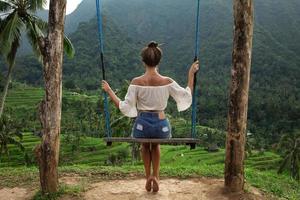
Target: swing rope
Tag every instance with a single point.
(105, 99)
(197, 49)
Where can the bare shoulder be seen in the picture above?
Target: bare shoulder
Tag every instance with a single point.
(137, 81)
(167, 80)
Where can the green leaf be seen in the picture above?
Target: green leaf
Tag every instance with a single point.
(33, 33)
(68, 47)
(35, 5)
(286, 160)
(11, 56)
(40, 23)
(10, 31)
(5, 6)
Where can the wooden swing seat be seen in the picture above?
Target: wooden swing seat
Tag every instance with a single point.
(188, 141)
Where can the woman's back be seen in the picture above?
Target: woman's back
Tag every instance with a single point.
(151, 80)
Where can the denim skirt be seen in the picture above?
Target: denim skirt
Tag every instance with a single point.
(148, 125)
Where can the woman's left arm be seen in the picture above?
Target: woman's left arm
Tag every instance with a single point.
(110, 92)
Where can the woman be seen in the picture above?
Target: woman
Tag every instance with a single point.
(146, 99)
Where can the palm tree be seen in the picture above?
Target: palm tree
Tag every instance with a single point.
(18, 16)
(289, 145)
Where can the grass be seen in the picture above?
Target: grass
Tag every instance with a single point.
(177, 161)
(90, 158)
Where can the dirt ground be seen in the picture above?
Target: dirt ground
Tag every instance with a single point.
(15, 194)
(170, 189)
(130, 189)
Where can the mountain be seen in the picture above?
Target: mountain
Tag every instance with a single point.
(121, 56)
(275, 87)
(84, 70)
(85, 11)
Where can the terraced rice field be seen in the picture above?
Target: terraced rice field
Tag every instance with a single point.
(93, 151)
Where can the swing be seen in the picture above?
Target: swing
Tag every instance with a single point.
(192, 141)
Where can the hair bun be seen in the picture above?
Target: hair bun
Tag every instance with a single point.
(153, 44)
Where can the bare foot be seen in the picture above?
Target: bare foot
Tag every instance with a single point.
(148, 184)
(155, 184)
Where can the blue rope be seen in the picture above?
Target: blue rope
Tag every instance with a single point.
(105, 99)
(197, 41)
(197, 50)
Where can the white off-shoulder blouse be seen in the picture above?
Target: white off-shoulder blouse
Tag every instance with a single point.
(154, 98)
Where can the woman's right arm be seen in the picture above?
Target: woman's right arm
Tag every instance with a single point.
(128, 106)
(193, 69)
(110, 92)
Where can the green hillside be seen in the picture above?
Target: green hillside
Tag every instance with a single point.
(93, 156)
(274, 107)
(128, 25)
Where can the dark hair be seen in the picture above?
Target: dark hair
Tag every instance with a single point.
(151, 54)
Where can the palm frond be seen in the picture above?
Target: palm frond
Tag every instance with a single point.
(34, 44)
(11, 31)
(68, 47)
(5, 6)
(33, 34)
(11, 56)
(34, 5)
(286, 160)
(43, 25)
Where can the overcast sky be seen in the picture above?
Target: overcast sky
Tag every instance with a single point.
(71, 5)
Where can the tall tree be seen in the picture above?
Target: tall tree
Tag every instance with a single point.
(239, 90)
(18, 16)
(50, 108)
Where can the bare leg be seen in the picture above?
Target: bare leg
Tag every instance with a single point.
(146, 156)
(155, 155)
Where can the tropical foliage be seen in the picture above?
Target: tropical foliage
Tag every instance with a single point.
(289, 147)
(9, 134)
(18, 16)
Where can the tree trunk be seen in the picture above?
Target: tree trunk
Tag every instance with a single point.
(5, 89)
(238, 100)
(11, 62)
(50, 107)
